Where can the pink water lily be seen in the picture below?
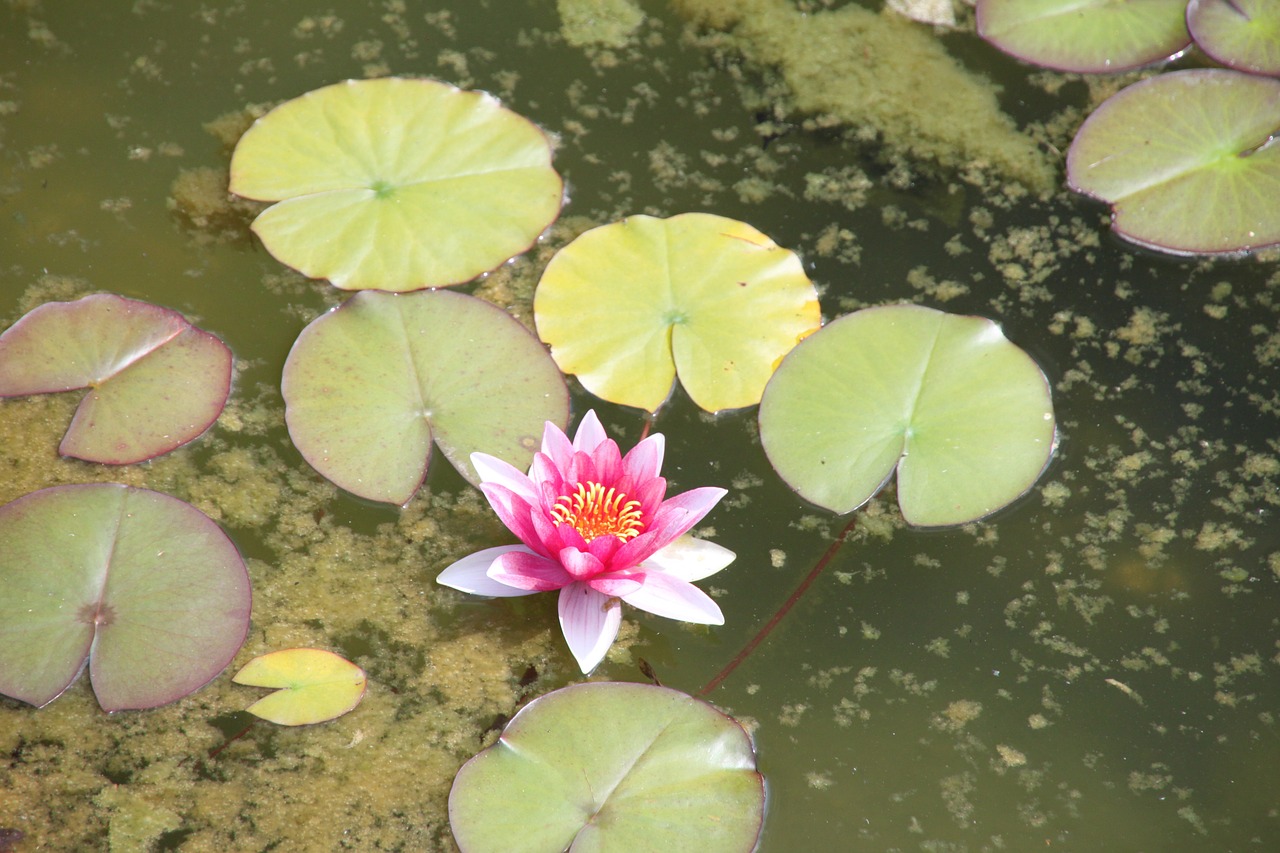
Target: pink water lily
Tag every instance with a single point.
(597, 526)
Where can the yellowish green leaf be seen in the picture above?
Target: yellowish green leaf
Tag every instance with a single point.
(315, 686)
(628, 306)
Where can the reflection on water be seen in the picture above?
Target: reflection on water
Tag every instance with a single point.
(1093, 668)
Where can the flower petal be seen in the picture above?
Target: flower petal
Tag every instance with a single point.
(689, 559)
(556, 446)
(512, 510)
(672, 520)
(528, 571)
(673, 598)
(494, 470)
(581, 565)
(616, 585)
(644, 461)
(590, 621)
(590, 433)
(470, 574)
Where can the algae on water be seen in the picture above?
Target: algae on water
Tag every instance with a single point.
(882, 73)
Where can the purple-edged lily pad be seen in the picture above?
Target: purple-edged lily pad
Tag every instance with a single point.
(155, 381)
(1242, 34)
(144, 586)
(962, 415)
(611, 767)
(1188, 160)
(369, 386)
(1086, 35)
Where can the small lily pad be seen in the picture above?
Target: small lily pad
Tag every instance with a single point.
(396, 184)
(143, 585)
(1188, 160)
(627, 306)
(962, 415)
(1242, 34)
(369, 386)
(611, 767)
(156, 382)
(315, 686)
(1086, 35)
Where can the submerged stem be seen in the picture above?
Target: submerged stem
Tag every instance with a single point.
(750, 647)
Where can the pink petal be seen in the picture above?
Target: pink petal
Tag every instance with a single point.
(581, 565)
(470, 574)
(494, 470)
(556, 446)
(590, 433)
(616, 586)
(516, 515)
(528, 571)
(673, 519)
(608, 462)
(590, 623)
(644, 461)
(689, 559)
(673, 598)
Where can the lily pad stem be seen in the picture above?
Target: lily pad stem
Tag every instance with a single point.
(783, 610)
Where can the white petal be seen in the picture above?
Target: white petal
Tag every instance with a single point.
(590, 621)
(494, 470)
(469, 573)
(590, 434)
(663, 595)
(690, 559)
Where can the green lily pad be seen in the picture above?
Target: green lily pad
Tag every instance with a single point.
(627, 306)
(143, 585)
(156, 382)
(611, 767)
(1086, 35)
(1242, 34)
(1188, 161)
(962, 415)
(396, 184)
(315, 686)
(369, 386)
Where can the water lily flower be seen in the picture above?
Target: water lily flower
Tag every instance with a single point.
(597, 526)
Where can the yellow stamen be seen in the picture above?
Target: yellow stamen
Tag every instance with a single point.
(595, 511)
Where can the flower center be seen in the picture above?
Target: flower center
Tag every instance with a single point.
(595, 511)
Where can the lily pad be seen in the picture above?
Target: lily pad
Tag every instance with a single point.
(627, 306)
(1242, 34)
(1086, 35)
(611, 767)
(156, 382)
(143, 585)
(962, 415)
(315, 686)
(396, 184)
(369, 386)
(1188, 161)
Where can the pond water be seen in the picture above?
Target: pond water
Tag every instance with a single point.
(1093, 668)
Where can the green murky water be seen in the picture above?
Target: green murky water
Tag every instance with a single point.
(1094, 668)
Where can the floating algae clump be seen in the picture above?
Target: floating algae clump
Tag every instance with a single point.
(883, 73)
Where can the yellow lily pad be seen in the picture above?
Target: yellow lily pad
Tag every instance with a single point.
(628, 306)
(396, 184)
(315, 686)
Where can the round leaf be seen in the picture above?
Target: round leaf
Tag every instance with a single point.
(1187, 161)
(146, 586)
(1244, 34)
(611, 767)
(369, 385)
(1086, 35)
(627, 306)
(156, 382)
(315, 686)
(963, 415)
(396, 184)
